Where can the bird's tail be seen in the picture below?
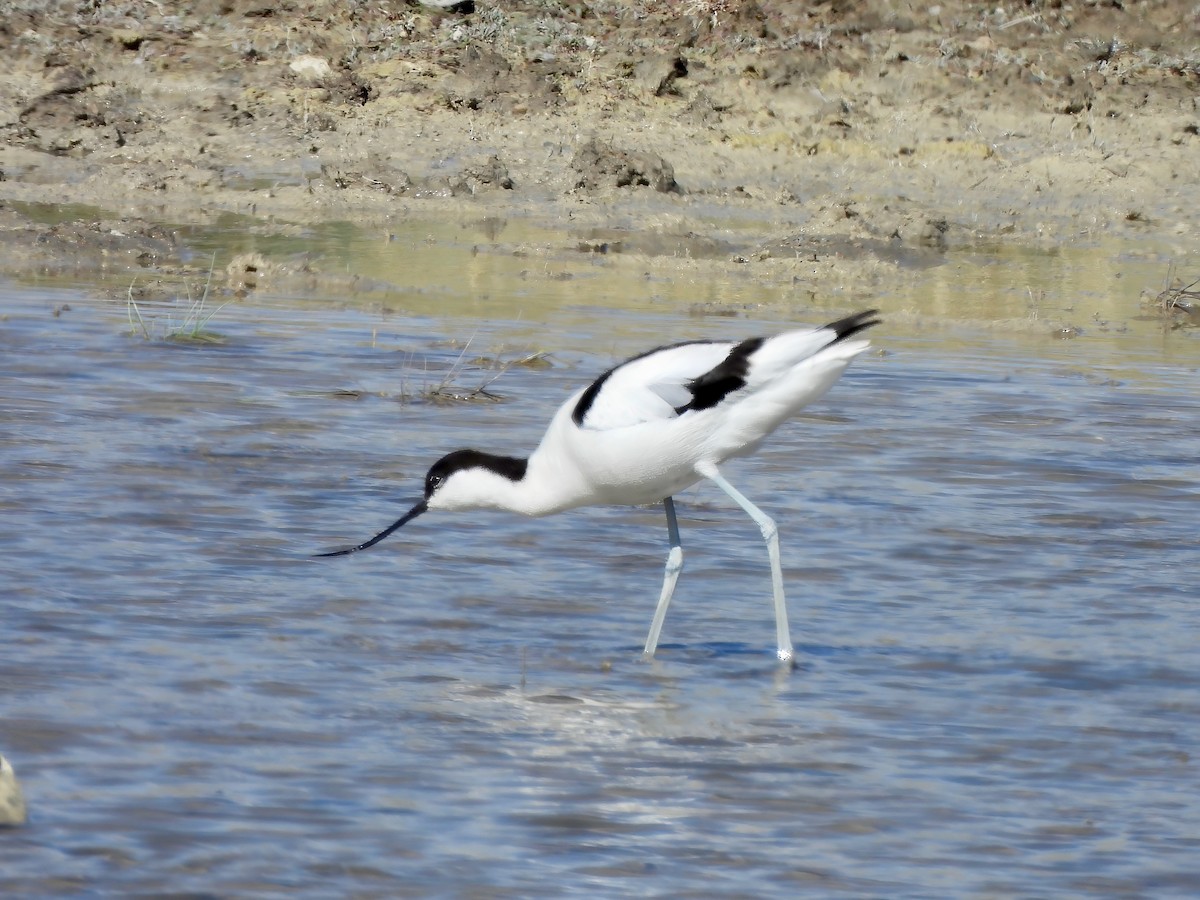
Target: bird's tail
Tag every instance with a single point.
(785, 352)
(852, 325)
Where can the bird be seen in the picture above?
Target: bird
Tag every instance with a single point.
(650, 427)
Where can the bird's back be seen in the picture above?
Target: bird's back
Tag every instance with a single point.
(637, 433)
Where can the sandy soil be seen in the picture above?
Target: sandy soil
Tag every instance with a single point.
(837, 131)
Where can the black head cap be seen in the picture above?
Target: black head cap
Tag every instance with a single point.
(509, 467)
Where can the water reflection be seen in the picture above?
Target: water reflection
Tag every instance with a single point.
(989, 543)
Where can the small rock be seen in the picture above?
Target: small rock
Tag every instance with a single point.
(486, 176)
(933, 234)
(464, 7)
(603, 165)
(311, 69)
(12, 800)
(128, 38)
(657, 74)
(246, 271)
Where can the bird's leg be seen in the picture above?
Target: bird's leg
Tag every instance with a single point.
(770, 534)
(674, 567)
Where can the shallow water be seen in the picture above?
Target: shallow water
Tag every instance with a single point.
(989, 544)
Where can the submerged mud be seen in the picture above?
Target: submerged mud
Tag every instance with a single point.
(831, 146)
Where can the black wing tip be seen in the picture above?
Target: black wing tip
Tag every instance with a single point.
(852, 325)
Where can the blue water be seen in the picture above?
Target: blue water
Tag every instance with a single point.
(990, 550)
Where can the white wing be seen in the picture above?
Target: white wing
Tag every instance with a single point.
(672, 381)
(648, 387)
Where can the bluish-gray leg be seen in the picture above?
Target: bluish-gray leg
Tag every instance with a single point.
(770, 534)
(674, 567)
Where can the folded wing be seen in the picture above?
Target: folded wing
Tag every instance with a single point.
(671, 381)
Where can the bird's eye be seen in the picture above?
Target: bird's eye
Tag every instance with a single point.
(434, 481)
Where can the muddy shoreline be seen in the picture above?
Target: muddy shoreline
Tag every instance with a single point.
(841, 145)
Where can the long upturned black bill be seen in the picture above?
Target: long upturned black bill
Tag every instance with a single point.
(407, 517)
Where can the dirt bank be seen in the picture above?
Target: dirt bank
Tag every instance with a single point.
(830, 130)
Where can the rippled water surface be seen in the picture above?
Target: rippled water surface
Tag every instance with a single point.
(990, 548)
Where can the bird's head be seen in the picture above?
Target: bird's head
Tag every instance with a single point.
(472, 479)
(464, 479)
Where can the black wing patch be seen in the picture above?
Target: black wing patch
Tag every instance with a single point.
(730, 375)
(588, 397)
(722, 380)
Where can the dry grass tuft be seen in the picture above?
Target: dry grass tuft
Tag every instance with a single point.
(1177, 301)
